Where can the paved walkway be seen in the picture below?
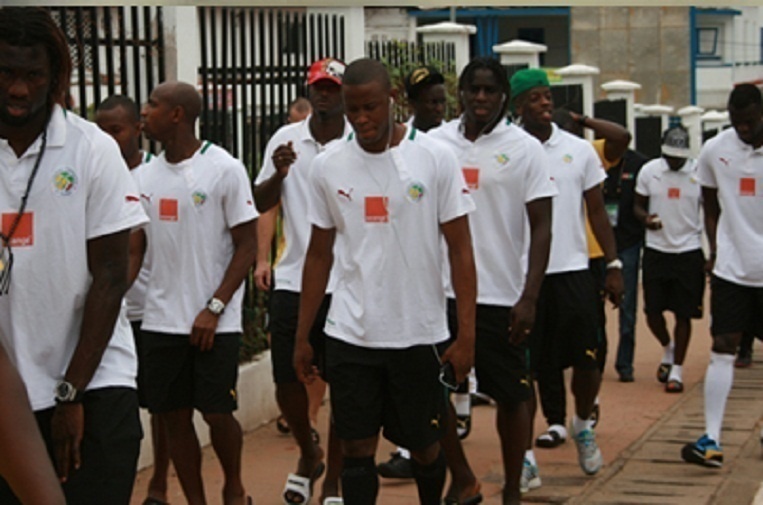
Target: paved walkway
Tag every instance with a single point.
(641, 432)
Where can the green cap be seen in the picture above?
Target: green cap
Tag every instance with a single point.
(527, 79)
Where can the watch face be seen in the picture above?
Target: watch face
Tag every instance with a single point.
(64, 390)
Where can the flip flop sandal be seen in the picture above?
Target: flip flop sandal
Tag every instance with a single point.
(674, 386)
(301, 487)
(333, 500)
(663, 372)
(549, 440)
(154, 501)
(315, 436)
(282, 425)
(472, 500)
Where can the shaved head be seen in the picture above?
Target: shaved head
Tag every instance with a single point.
(183, 95)
(365, 70)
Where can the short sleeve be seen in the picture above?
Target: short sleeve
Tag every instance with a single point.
(538, 181)
(705, 171)
(453, 199)
(642, 188)
(319, 212)
(594, 170)
(239, 202)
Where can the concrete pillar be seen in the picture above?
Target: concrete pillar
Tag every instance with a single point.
(691, 118)
(713, 119)
(354, 29)
(520, 52)
(181, 38)
(624, 90)
(663, 111)
(582, 75)
(450, 32)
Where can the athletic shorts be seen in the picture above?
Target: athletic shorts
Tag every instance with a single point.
(284, 308)
(735, 308)
(674, 282)
(180, 376)
(397, 390)
(109, 450)
(566, 323)
(502, 368)
(137, 334)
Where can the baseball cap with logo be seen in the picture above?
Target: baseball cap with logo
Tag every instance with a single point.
(675, 142)
(328, 68)
(421, 77)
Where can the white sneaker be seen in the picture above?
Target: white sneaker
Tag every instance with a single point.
(530, 477)
(589, 455)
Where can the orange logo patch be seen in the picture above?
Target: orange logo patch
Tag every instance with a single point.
(24, 234)
(674, 193)
(376, 209)
(168, 209)
(472, 177)
(747, 186)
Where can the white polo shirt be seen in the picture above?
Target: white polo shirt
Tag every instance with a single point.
(387, 209)
(295, 193)
(675, 196)
(192, 206)
(575, 168)
(135, 297)
(504, 169)
(735, 169)
(82, 191)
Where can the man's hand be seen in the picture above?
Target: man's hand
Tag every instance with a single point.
(614, 286)
(204, 329)
(461, 356)
(307, 372)
(653, 222)
(67, 429)
(283, 157)
(522, 320)
(262, 274)
(710, 264)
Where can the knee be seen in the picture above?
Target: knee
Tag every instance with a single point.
(217, 420)
(363, 448)
(726, 344)
(426, 456)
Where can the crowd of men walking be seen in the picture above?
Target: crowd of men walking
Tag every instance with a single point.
(416, 255)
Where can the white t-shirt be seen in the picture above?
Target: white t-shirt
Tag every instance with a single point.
(675, 196)
(735, 169)
(82, 191)
(504, 169)
(192, 205)
(575, 168)
(135, 297)
(387, 209)
(295, 193)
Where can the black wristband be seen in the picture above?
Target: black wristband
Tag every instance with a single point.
(582, 119)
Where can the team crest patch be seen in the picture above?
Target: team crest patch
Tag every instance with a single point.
(199, 197)
(65, 181)
(415, 191)
(567, 158)
(502, 158)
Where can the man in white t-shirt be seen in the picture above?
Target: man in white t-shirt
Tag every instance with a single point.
(119, 116)
(667, 202)
(387, 195)
(201, 244)
(425, 91)
(566, 327)
(285, 178)
(68, 205)
(729, 169)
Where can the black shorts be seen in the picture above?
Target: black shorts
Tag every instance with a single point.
(284, 308)
(674, 282)
(180, 376)
(502, 368)
(137, 334)
(735, 308)
(395, 389)
(109, 450)
(566, 323)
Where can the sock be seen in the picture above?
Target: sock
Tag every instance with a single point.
(430, 479)
(462, 403)
(675, 373)
(360, 483)
(530, 456)
(718, 380)
(404, 452)
(472, 381)
(579, 425)
(667, 353)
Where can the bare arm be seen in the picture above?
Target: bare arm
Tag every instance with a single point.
(268, 193)
(315, 276)
(107, 260)
(523, 313)
(615, 136)
(245, 250)
(137, 253)
(712, 213)
(266, 228)
(602, 230)
(640, 206)
(463, 275)
(25, 463)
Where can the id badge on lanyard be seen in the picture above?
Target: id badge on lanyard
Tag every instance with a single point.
(612, 212)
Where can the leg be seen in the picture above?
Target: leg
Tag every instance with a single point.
(656, 323)
(360, 482)
(513, 424)
(585, 387)
(293, 401)
(625, 349)
(682, 335)
(463, 482)
(157, 486)
(553, 395)
(333, 464)
(744, 355)
(429, 471)
(315, 394)
(227, 440)
(185, 452)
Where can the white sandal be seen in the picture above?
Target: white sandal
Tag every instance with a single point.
(297, 485)
(333, 500)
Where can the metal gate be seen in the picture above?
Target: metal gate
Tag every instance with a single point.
(115, 50)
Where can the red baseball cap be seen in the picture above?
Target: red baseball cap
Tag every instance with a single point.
(327, 68)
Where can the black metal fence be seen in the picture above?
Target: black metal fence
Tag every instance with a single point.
(253, 64)
(115, 50)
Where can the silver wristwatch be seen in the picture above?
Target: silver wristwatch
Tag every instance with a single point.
(215, 306)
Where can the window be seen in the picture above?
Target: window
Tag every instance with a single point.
(707, 43)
